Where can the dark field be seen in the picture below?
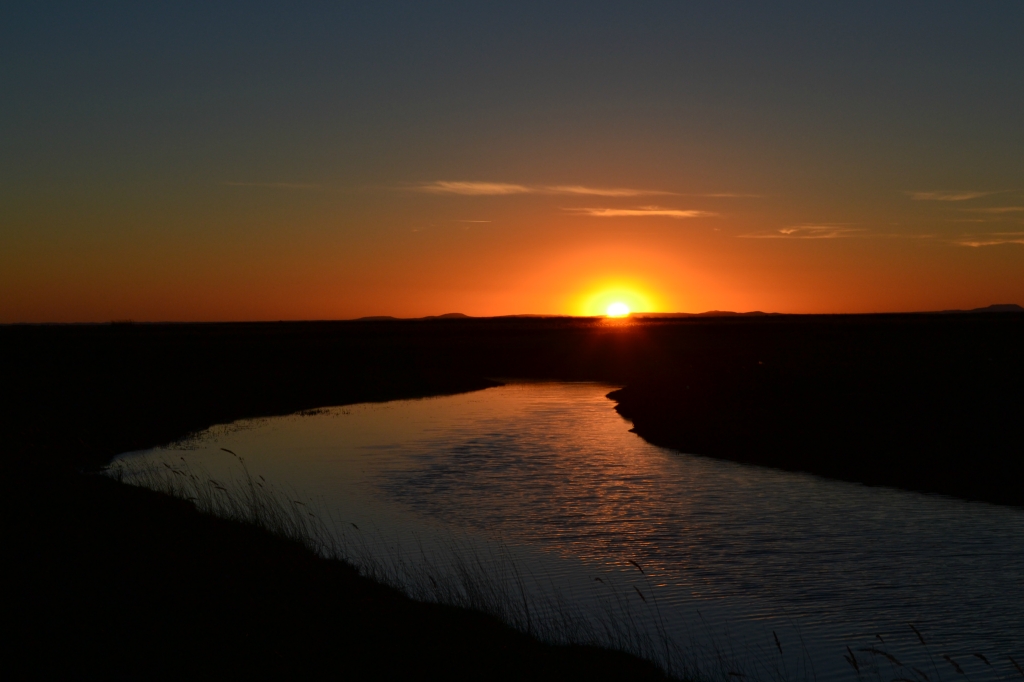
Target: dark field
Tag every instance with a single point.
(111, 578)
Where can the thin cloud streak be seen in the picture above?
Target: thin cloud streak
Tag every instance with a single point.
(472, 188)
(602, 192)
(996, 210)
(808, 232)
(475, 188)
(642, 211)
(274, 185)
(948, 196)
(991, 239)
(728, 195)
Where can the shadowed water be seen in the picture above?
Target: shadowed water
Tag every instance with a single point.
(731, 553)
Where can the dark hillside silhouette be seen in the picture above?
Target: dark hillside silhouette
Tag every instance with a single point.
(914, 401)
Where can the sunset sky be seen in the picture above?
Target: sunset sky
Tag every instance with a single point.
(258, 161)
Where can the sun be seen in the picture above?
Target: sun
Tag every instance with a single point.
(616, 300)
(617, 309)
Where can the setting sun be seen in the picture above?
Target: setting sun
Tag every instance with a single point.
(618, 299)
(617, 309)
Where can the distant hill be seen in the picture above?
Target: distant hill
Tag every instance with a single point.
(386, 318)
(997, 308)
(535, 317)
(710, 313)
(461, 316)
(457, 316)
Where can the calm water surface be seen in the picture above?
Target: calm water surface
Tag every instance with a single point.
(731, 552)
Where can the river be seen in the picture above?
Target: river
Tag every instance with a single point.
(745, 569)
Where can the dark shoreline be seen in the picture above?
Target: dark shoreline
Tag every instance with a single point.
(181, 594)
(921, 403)
(121, 581)
(115, 580)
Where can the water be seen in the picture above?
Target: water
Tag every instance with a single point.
(731, 552)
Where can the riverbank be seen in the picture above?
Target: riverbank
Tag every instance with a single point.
(928, 403)
(114, 580)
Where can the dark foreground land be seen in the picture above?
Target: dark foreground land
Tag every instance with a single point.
(109, 578)
(927, 403)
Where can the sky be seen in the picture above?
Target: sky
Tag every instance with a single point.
(319, 160)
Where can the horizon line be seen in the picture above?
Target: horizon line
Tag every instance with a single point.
(999, 308)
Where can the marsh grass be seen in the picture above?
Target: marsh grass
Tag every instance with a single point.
(622, 614)
(907, 656)
(460, 574)
(246, 498)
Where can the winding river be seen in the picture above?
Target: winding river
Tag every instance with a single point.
(772, 573)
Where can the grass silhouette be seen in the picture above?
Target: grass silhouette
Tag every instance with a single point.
(482, 579)
(490, 581)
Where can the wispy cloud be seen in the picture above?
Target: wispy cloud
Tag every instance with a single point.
(601, 191)
(808, 232)
(996, 210)
(948, 196)
(728, 195)
(991, 239)
(475, 188)
(472, 188)
(274, 185)
(641, 211)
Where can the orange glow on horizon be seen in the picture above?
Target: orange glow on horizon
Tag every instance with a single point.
(321, 268)
(616, 300)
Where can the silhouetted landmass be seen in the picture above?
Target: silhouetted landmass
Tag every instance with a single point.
(997, 308)
(922, 402)
(107, 577)
(710, 313)
(382, 318)
(461, 316)
(538, 317)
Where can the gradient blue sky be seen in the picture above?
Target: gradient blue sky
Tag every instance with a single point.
(251, 160)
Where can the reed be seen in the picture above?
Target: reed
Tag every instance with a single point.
(489, 580)
(246, 499)
(484, 579)
(955, 665)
